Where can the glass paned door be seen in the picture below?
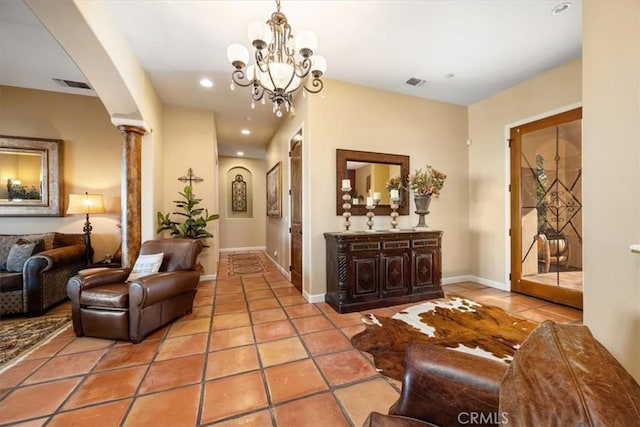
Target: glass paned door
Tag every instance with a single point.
(546, 229)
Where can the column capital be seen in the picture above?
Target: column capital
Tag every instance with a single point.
(124, 123)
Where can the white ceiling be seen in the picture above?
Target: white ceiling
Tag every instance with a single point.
(488, 46)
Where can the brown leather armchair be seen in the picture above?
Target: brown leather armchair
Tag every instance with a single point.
(104, 305)
(561, 375)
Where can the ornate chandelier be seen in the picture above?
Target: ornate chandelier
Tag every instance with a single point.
(277, 72)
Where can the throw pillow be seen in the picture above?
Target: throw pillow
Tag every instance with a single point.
(6, 242)
(39, 244)
(18, 255)
(145, 265)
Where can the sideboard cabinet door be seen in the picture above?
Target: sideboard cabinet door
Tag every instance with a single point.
(366, 280)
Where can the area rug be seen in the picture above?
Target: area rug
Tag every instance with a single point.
(453, 322)
(247, 263)
(18, 336)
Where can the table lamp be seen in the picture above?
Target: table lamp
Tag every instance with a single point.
(86, 204)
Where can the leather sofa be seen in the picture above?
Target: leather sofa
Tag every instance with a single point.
(42, 281)
(105, 305)
(561, 375)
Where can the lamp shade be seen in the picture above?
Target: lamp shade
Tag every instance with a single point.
(237, 53)
(85, 204)
(306, 40)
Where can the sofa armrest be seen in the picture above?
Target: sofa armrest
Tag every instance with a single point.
(92, 278)
(47, 260)
(446, 387)
(151, 289)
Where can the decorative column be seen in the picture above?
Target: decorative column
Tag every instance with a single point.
(131, 187)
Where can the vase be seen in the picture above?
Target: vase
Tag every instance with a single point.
(422, 208)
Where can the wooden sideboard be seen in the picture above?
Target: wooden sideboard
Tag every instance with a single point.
(369, 270)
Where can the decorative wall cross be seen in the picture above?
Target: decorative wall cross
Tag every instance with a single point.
(190, 177)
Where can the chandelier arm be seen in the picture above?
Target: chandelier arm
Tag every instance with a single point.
(316, 84)
(304, 67)
(238, 76)
(261, 61)
(257, 92)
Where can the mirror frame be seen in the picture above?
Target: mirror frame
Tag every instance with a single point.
(344, 156)
(49, 205)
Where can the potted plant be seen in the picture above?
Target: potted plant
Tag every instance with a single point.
(195, 218)
(424, 185)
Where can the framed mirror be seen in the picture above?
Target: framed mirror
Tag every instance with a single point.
(368, 173)
(30, 176)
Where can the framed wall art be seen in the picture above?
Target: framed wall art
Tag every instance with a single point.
(274, 191)
(239, 194)
(32, 174)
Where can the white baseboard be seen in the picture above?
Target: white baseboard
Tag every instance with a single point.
(313, 299)
(476, 279)
(284, 272)
(208, 277)
(456, 279)
(248, 248)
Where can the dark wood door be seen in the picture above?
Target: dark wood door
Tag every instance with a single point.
(296, 213)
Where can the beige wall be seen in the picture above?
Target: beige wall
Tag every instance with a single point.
(190, 142)
(249, 231)
(277, 231)
(611, 156)
(488, 161)
(429, 132)
(90, 157)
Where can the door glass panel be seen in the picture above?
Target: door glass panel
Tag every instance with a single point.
(551, 205)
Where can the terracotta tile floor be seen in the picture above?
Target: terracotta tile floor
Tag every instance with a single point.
(252, 353)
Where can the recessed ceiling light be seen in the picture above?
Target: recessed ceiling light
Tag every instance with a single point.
(240, 153)
(206, 83)
(561, 8)
(245, 131)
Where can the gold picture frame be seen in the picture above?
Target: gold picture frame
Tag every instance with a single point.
(274, 191)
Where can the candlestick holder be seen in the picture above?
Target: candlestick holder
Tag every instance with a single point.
(394, 214)
(370, 216)
(346, 206)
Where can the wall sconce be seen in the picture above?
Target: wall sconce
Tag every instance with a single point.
(86, 204)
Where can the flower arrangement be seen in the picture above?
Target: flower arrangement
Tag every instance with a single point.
(427, 182)
(394, 183)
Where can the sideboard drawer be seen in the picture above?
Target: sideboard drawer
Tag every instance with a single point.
(421, 243)
(365, 246)
(396, 244)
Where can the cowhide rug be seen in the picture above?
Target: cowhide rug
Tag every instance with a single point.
(453, 322)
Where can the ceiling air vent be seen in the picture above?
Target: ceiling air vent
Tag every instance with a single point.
(415, 82)
(72, 83)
